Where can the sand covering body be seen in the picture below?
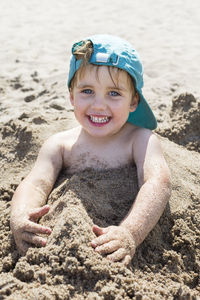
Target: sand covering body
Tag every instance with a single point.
(35, 40)
(68, 268)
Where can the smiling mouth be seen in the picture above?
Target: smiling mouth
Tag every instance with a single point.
(99, 120)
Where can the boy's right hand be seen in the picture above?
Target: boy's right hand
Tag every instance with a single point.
(26, 230)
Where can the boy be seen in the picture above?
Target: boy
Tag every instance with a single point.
(105, 84)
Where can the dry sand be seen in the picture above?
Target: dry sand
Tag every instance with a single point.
(35, 39)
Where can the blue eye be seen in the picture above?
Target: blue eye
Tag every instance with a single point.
(87, 91)
(114, 93)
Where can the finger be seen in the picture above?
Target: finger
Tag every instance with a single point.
(102, 239)
(98, 230)
(126, 260)
(109, 247)
(37, 228)
(33, 239)
(117, 255)
(39, 212)
(22, 247)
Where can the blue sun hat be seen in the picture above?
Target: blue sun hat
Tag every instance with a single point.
(113, 51)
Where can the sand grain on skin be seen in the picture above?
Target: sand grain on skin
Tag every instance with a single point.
(35, 39)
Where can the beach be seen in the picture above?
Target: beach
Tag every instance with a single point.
(36, 39)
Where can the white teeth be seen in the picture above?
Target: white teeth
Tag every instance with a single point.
(99, 119)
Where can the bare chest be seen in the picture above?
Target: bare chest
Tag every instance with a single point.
(101, 159)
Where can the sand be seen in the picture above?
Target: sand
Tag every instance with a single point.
(34, 55)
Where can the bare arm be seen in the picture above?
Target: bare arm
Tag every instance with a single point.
(154, 182)
(35, 188)
(29, 199)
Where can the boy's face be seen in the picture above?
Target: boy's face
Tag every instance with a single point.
(102, 101)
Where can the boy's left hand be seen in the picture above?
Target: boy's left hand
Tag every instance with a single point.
(114, 241)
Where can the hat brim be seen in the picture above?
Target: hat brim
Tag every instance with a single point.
(143, 115)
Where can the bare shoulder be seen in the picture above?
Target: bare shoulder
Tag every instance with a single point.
(55, 147)
(148, 155)
(141, 138)
(60, 139)
(51, 155)
(144, 139)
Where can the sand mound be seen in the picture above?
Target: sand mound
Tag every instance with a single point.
(184, 124)
(68, 268)
(19, 137)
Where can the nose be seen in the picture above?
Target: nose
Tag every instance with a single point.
(99, 103)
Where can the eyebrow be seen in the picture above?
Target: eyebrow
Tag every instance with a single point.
(120, 88)
(83, 85)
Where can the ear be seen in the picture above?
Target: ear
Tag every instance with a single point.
(71, 97)
(134, 102)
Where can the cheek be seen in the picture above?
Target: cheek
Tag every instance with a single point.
(80, 105)
(121, 113)
(122, 107)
